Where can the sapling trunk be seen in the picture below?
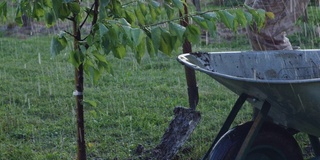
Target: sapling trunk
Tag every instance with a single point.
(81, 153)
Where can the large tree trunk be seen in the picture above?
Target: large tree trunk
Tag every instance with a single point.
(273, 35)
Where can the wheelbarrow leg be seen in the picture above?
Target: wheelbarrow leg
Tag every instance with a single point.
(254, 130)
(315, 145)
(226, 126)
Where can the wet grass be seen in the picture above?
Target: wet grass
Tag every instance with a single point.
(135, 105)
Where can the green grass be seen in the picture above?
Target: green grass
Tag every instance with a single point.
(135, 105)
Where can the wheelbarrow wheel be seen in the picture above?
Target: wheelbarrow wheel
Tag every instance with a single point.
(272, 143)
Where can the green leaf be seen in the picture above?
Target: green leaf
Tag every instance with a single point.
(166, 43)
(156, 37)
(102, 62)
(258, 16)
(60, 9)
(200, 21)
(87, 67)
(261, 18)
(104, 3)
(179, 5)
(102, 13)
(76, 58)
(177, 30)
(248, 17)
(18, 17)
(156, 6)
(193, 33)
(227, 18)
(140, 16)
(64, 11)
(130, 17)
(103, 30)
(140, 50)
(270, 15)
(3, 10)
(100, 57)
(116, 8)
(95, 74)
(123, 22)
(58, 43)
(56, 5)
(114, 34)
(119, 51)
(74, 7)
(150, 47)
(211, 27)
(210, 16)
(90, 39)
(105, 44)
(137, 35)
(169, 11)
(152, 13)
(240, 17)
(50, 19)
(38, 11)
(128, 35)
(142, 7)
(48, 3)
(90, 102)
(91, 69)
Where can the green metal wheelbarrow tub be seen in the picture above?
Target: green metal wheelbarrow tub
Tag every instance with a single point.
(289, 80)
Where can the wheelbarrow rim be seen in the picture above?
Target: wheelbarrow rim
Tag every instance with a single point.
(184, 60)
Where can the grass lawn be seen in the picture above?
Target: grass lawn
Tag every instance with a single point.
(134, 106)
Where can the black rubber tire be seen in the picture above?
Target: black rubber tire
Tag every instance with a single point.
(272, 142)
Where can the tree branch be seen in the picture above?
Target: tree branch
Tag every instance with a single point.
(69, 34)
(96, 12)
(85, 19)
(180, 18)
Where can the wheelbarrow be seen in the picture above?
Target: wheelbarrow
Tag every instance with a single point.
(284, 86)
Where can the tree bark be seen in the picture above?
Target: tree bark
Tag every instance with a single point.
(79, 88)
(273, 35)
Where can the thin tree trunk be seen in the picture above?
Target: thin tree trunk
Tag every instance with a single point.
(81, 152)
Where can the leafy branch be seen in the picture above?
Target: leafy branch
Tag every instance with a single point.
(118, 28)
(142, 26)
